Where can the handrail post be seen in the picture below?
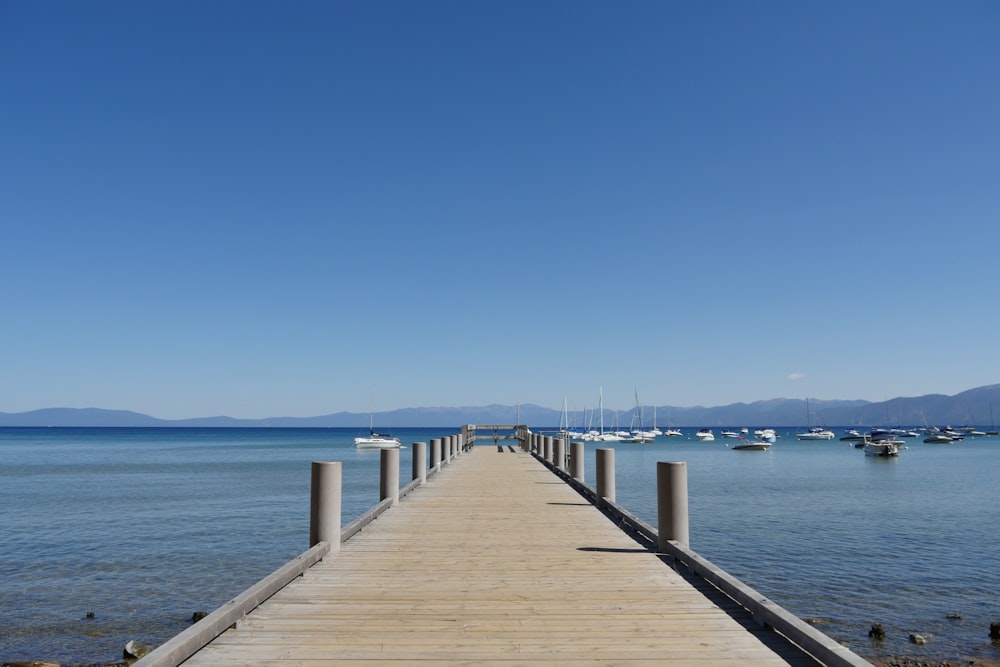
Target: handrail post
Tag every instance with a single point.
(436, 454)
(576, 467)
(324, 504)
(672, 503)
(606, 473)
(389, 475)
(420, 461)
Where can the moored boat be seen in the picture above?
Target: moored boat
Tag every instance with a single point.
(882, 448)
(705, 435)
(375, 440)
(816, 433)
(759, 446)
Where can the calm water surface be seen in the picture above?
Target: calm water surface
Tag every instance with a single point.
(142, 527)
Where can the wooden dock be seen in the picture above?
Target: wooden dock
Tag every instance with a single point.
(496, 561)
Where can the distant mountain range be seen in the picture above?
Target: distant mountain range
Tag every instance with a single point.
(972, 407)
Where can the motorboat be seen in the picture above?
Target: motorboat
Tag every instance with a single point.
(705, 435)
(748, 445)
(853, 435)
(816, 433)
(731, 434)
(882, 448)
(673, 433)
(766, 434)
(939, 439)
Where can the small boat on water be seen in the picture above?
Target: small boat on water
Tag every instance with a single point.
(734, 435)
(705, 435)
(852, 435)
(766, 434)
(881, 442)
(375, 440)
(816, 433)
(747, 445)
(939, 439)
(881, 448)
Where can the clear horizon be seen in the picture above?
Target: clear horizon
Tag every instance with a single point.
(255, 209)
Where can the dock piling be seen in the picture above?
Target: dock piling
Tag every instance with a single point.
(672, 503)
(606, 473)
(324, 504)
(436, 454)
(420, 461)
(389, 475)
(576, 461)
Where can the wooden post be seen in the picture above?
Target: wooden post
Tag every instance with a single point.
(324, 504)
(436, 454)
(672, 503)
(576, 467)
(389, 476)
(420, 461)
(606, 474)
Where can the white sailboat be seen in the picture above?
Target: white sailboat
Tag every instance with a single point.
(605, 437)
(814, 432)
(375, 440)
(640, 434)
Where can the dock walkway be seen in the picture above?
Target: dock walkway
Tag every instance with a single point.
(495, 561)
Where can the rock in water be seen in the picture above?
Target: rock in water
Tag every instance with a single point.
(134, 650)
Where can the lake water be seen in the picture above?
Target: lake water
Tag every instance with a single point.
(142, 527)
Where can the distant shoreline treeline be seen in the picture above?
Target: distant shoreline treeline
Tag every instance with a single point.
(973, 407)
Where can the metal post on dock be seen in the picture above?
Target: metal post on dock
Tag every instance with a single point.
(560, 454)
(606, 474)
(547, 453)
(446, 442)
(389, 476)
(672, 503)
(324, 504)
(436, 454)
(420, 461)
(576, 461)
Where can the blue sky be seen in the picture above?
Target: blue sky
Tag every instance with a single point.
(266, 209)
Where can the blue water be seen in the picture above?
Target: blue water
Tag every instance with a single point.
(142, 527)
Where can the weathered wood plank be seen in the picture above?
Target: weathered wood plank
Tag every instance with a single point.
(493, 562)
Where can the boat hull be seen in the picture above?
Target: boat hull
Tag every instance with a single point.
(376, 443)
(753, 447)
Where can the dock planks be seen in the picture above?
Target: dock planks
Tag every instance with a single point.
(495, 561)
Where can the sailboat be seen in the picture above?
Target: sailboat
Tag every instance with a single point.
(640, 434)
(375, 440)
(605, 437)
(814, 433)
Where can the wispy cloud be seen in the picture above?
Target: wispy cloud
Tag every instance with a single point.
(792, 377)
